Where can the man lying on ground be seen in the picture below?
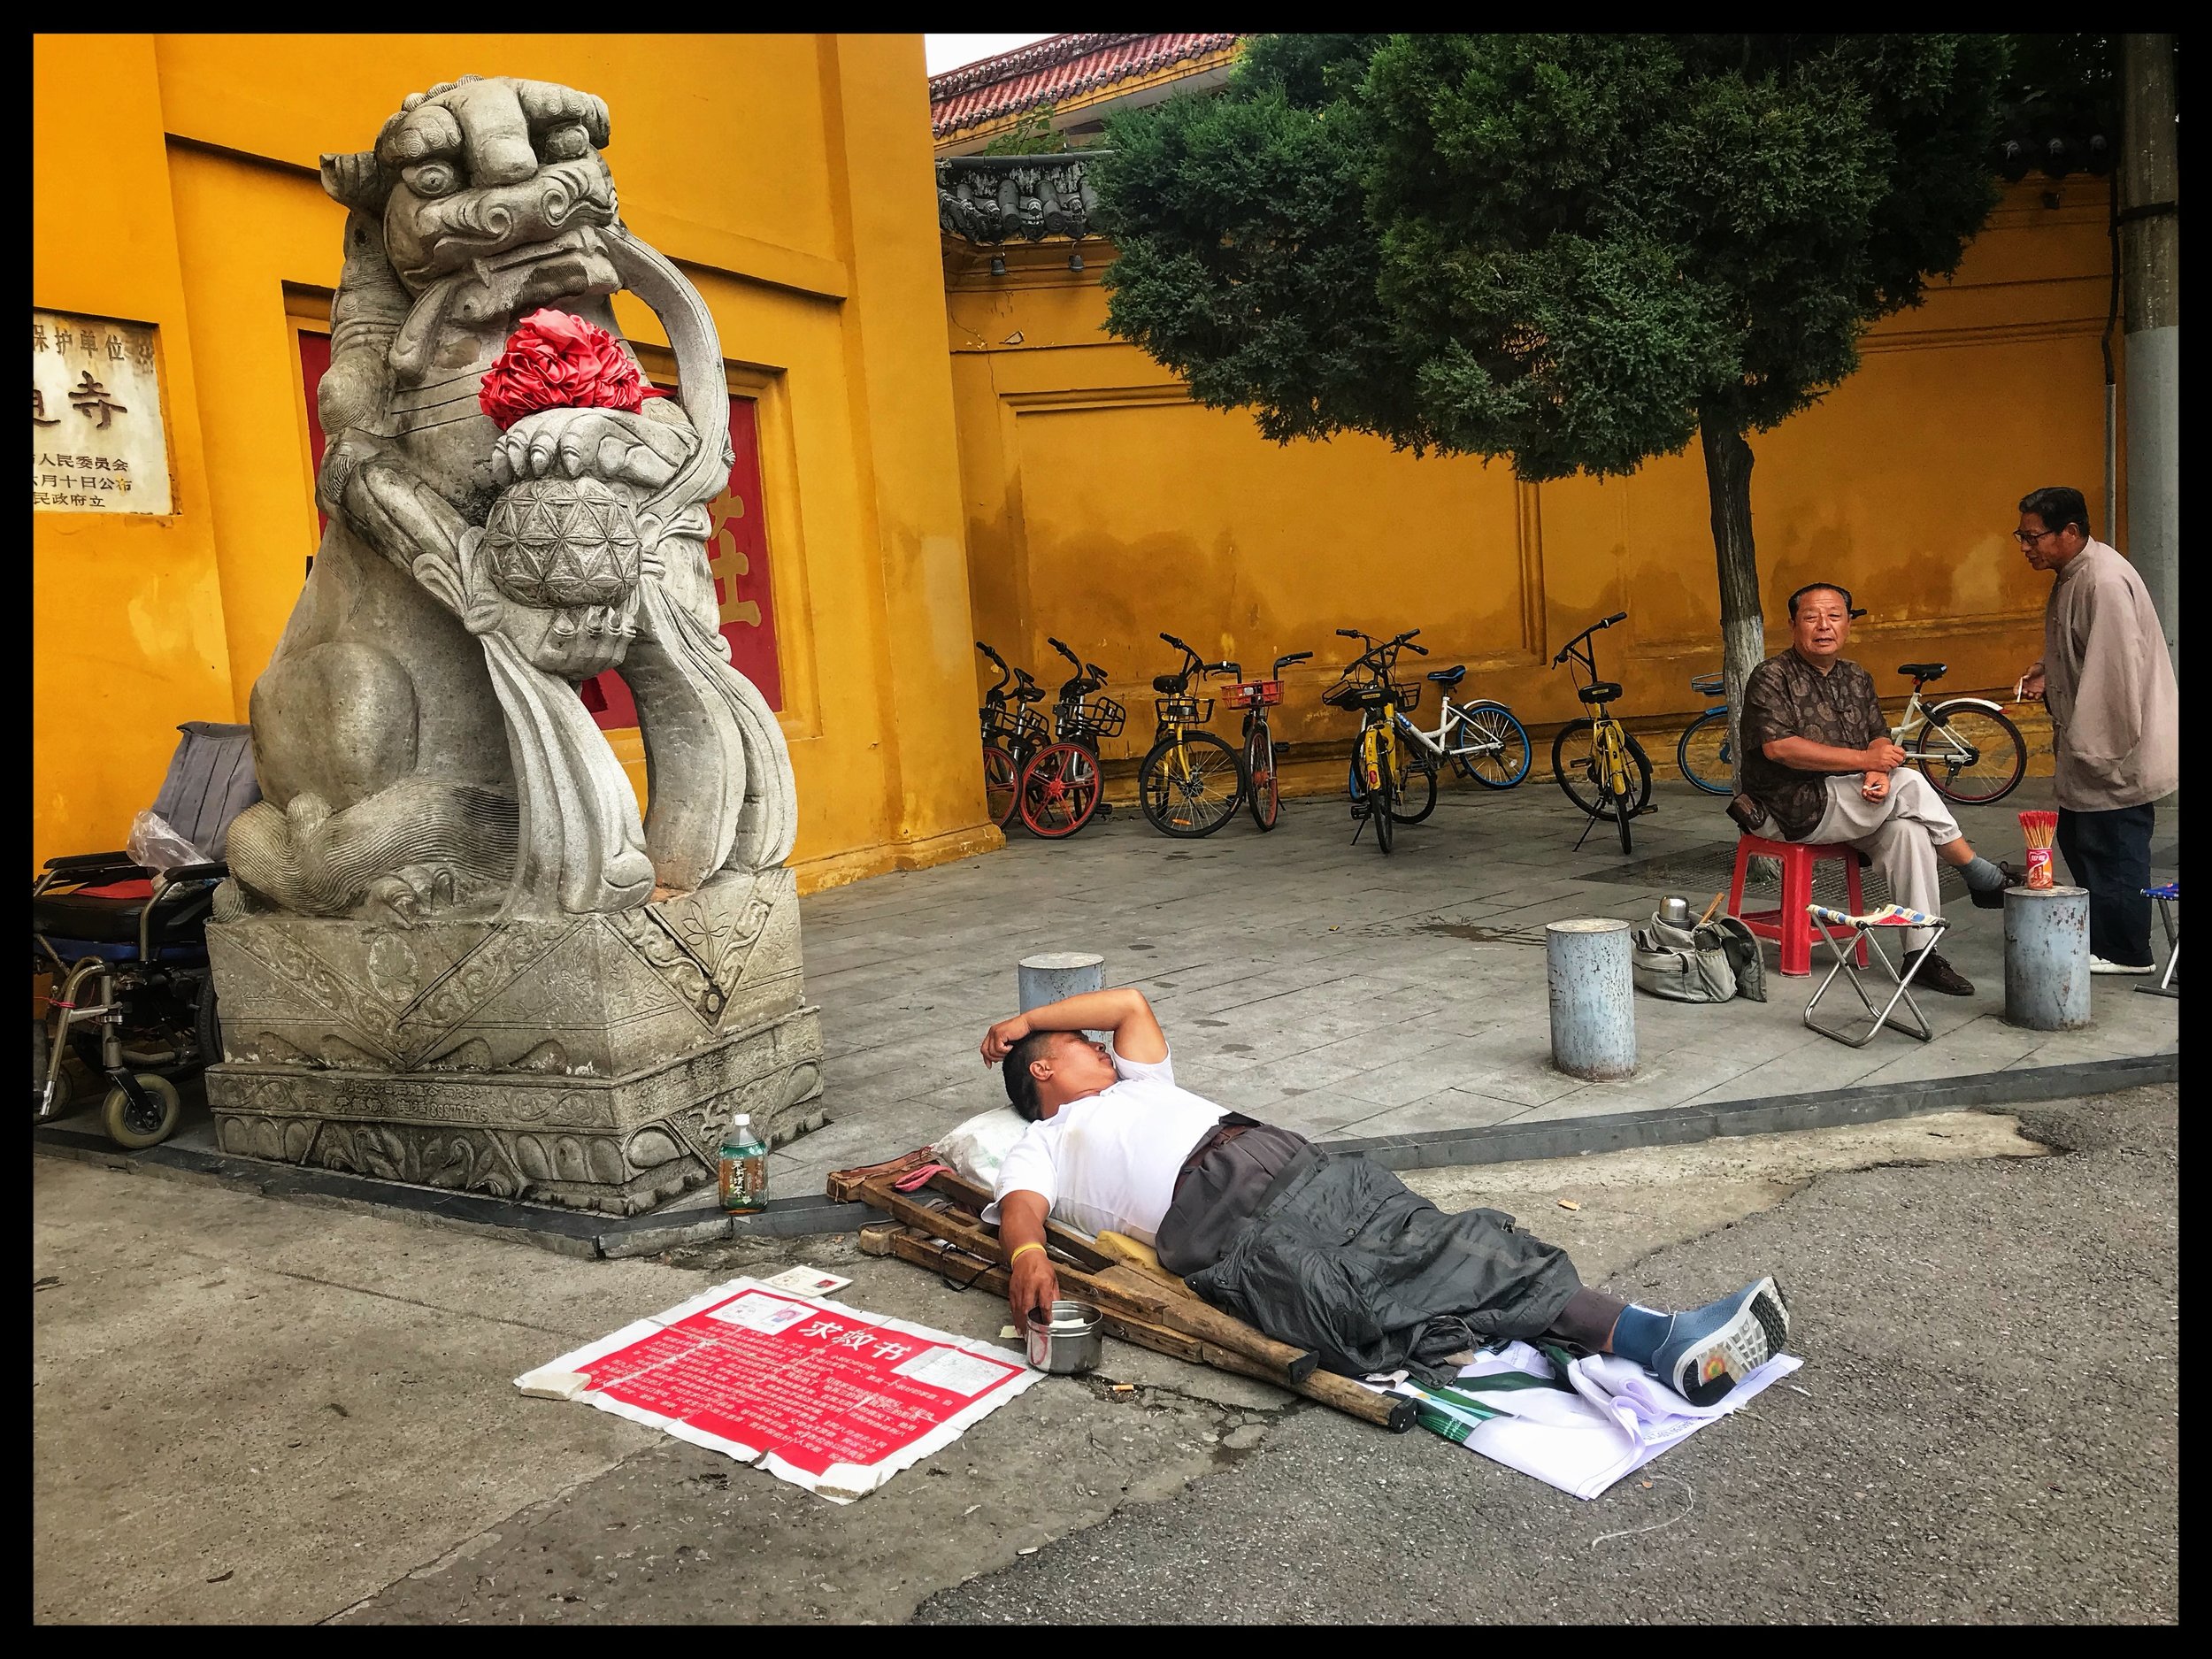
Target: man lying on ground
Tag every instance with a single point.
(1332, 1254)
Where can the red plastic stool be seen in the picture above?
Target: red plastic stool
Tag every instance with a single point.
(1789, 926)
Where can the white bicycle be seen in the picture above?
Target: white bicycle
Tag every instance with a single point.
(1481, 740)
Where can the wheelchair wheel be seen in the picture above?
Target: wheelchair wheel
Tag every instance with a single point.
(207, 1026)
(134, 1128)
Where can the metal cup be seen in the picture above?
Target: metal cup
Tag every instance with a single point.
(1067, 1341)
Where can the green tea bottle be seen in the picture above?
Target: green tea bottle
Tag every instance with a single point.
(744, 1168)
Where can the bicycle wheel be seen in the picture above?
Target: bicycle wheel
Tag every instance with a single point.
(1504, 753)
(1414, 790)
(1372, 779)
(1262, 793)
(1001, 779)
(1190, 786)
(1581, 775)
(1704, 755)
(1060, 789)
(1970, 754)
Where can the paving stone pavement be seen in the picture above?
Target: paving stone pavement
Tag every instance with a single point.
(1319, 984)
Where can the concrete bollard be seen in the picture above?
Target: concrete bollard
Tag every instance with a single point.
(1592, 998)
(2046, 957)
(1058, 973)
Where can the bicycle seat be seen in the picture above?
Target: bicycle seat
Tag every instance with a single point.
(1708, 685)
(1168, 685)
(1923, 671)
(1604, 691)
(1448, 676)
(1027, 694)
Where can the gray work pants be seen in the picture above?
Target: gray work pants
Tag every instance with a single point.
(1899, 832)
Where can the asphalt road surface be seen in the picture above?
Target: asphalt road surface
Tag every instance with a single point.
(1988, 1432)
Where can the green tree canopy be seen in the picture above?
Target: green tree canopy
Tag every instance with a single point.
(1576, 251)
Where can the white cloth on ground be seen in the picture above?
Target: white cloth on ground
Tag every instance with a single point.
(1617, 1420)
(1109, 1162)
(1899, 832)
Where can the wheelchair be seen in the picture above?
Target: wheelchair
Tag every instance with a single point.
(130, 1000)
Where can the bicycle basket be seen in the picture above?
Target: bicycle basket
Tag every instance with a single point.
(1343, 695)
(1009, 723)
(1102, 717)
(1184, 711)
(1408, 696)
(1256, 693)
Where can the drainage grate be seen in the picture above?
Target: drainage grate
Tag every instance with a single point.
(1698, 872)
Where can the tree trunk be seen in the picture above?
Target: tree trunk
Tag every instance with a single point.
(2149, 184)
(1742, 628)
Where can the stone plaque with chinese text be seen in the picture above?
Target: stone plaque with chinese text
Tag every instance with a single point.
(96, 442)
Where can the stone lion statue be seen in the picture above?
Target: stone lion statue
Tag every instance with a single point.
(421, 747)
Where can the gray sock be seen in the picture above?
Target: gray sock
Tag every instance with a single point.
(1982, 876)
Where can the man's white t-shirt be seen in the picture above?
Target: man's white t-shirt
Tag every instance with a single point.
(1108, 1162)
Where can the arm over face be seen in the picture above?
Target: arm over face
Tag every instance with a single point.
(1123, 1010)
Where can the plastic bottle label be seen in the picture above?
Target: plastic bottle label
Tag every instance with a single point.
(743, 1181)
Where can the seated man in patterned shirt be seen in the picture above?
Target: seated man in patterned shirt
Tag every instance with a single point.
(1818, 758)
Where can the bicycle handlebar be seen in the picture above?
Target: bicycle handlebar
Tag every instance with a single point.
(1566, 649)
(1063, 650)
(1281, 663)
(1004, 673)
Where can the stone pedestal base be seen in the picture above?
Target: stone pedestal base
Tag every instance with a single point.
(588, 1061)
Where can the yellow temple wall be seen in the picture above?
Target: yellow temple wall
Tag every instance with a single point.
(1103, 506)
(788, 175)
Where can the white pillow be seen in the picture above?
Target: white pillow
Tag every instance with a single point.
(974, 1149)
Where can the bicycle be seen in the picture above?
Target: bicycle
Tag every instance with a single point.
(1482, 740)
(1377, 761)
(1966, 746)
(1191, 781)
(1614, 772)
(1262, 791)
(1080, 719)
(1027, 771)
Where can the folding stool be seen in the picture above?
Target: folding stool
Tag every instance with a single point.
(1861, 931)
(2167, 896)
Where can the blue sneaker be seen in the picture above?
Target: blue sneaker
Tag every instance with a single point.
(1710, 1349)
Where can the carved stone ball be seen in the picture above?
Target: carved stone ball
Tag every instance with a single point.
(558, 543)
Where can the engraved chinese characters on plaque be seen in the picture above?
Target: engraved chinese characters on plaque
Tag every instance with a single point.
(96, 442)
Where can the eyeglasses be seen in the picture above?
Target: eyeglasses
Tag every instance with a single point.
(2030, 538)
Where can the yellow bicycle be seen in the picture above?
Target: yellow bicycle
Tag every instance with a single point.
(1602, 769)
(1190, 782)
(1377, 781)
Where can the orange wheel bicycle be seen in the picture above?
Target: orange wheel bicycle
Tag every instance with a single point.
(1060, 790)
(1001, 784)
(1264, 795)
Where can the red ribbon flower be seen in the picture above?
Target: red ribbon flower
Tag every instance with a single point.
(554, 360)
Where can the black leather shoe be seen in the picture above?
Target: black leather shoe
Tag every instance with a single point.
(1938, 975)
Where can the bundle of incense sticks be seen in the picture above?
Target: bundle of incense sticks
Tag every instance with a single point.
(2041, 829)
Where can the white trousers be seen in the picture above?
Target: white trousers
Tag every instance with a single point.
(1899, 832)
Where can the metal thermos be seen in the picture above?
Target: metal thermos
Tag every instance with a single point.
(1674, 911)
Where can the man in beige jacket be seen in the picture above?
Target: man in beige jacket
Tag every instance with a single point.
(2116, 715)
